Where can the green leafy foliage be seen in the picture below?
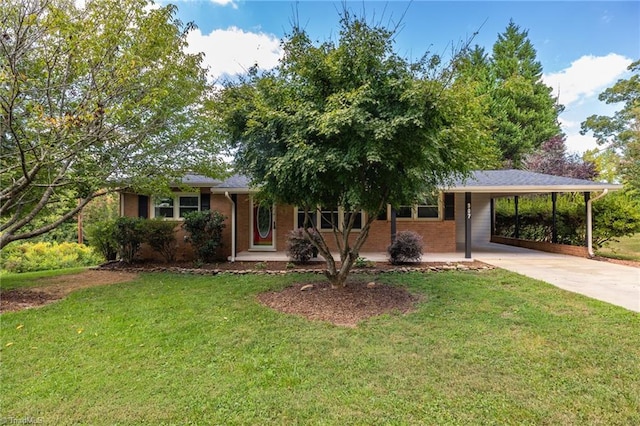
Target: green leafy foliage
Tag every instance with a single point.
(614, 216)
(350, 123)
(102, 236)
(621, 132)
(204, 230)
(160, 235)
(520, 107)
(299, 248)
(42, 256)
(129, 235)
(407, 247)
(90, 95)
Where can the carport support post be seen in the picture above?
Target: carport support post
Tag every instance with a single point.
(554, 227)
(393, 225)
(587, 197)
(467, 225)
(517, 231)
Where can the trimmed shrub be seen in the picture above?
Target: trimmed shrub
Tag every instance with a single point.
(300, 249)
(204, 232)
(101, 236)
(160, 235)
(42, 256)
(129, 235)
(407, 247)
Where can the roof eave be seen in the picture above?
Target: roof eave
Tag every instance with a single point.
(218, 190)
(524, 189)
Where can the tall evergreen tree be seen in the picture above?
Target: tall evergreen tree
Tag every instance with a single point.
(525, 112)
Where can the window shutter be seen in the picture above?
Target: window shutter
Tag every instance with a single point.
(449, 206)
(143, 206)
(205, 202)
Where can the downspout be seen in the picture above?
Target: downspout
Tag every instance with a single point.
(590, 222)
(233, 227)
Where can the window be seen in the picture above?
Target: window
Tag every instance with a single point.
(429, 208)
(175, 207)
(330, 216)
(312, 218)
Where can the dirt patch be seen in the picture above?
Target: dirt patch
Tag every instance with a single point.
(55, 288)
(344, 306)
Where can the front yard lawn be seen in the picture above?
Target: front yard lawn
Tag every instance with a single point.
(481, 348)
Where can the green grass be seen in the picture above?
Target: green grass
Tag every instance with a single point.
(10, 280)
(628, 248)
(482, 348)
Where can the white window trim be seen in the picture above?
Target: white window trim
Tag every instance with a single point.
(341, 212)
(414, 212)
(176, 205)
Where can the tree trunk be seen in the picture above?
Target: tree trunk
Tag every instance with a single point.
(338, 277)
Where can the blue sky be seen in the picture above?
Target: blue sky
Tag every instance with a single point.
(583, 46)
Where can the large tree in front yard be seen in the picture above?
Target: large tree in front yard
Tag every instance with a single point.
(92, 98)
(349, 126)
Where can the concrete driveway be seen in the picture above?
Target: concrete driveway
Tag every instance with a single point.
(609, 282)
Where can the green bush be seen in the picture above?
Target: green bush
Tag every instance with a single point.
(407, 247)
(300, 249)
(160, 235)
(614, 216)
(41, 256)
(101, 236)
(204, 232)
(129, 235)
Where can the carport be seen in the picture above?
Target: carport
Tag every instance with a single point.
(474, 202)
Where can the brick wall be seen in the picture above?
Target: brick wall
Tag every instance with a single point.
(438, 236)
(542, 246)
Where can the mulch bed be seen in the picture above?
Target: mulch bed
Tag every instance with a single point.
(342, 306)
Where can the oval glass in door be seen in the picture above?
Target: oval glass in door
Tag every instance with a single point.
(263, 225)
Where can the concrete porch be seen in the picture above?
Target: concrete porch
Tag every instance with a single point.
(479, 252)
(274, 256)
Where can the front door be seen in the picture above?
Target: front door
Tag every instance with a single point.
(262, 226)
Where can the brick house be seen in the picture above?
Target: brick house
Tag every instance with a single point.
(456, 219)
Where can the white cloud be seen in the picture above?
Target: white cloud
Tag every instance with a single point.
(586, 77)
(577, 143)
(568, 124)
(233, 51)
(225, 2)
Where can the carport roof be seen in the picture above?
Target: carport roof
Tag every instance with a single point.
(522, 181)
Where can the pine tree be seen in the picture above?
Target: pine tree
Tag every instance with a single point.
(522, 110)
(525, 112)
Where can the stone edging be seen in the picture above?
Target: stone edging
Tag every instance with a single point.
(399, 269)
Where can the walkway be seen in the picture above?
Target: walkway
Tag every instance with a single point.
(609, 282)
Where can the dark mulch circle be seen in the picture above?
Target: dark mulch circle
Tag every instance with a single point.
(342, 306)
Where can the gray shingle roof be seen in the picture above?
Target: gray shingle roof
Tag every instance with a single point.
(199, 180)
(235, 181)
(508, 180)
(479, 181)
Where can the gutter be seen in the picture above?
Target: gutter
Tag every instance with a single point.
(590, 222)
(232, 258)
